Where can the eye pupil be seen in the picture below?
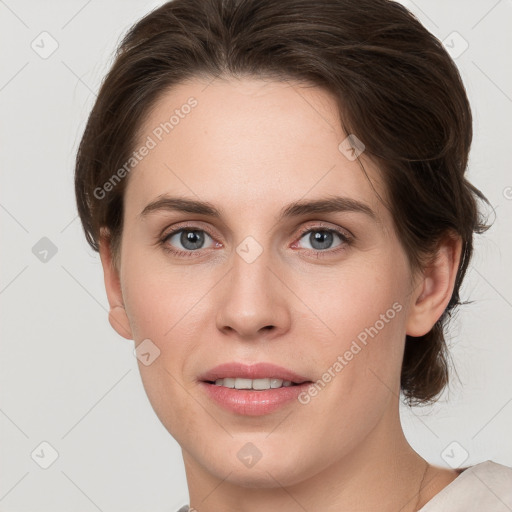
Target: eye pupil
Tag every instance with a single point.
(323, 237)
(195, 238)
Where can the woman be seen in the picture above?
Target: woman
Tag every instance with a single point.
(277, 194)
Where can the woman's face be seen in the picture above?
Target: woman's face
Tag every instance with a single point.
(322, 293)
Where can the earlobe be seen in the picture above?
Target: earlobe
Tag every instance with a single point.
(117, 316)
(119, 321)
(435, 288)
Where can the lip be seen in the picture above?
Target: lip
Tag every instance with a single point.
(252, 402)
(253, 371)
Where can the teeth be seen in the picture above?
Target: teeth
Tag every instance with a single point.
(256, 384)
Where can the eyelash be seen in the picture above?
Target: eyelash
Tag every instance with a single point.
(345, 239)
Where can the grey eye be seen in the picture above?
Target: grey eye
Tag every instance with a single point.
(190, 239)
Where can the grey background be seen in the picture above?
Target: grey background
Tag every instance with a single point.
(67, 379)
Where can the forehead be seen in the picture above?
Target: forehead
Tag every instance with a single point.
(247, 143)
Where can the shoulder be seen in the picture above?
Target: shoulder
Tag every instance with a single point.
(485, 486)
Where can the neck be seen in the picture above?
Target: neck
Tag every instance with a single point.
(383, 473)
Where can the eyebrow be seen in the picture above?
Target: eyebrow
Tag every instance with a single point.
(331, 204)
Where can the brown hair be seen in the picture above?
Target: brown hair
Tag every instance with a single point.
(397, 89)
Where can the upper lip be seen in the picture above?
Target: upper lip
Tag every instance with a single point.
(252, 371)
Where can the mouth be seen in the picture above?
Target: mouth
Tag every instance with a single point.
(254, 384)
(258, 377)
(252, 390)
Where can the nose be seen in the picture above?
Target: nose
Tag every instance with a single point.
(252, 301)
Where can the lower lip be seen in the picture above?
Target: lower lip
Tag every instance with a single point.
(253, 403)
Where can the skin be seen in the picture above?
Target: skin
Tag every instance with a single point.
(250, 147)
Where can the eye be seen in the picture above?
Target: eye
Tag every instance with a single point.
(187, 241)
(190, 240)
(321, 239)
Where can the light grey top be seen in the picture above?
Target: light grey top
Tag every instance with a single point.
(484, 487)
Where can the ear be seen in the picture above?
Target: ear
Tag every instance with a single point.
(435, 287)
(117, 315)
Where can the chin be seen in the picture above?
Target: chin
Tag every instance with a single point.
(265, 477)
(266, 470)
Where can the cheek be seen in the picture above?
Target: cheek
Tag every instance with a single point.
(158, 299)
(163, 309)
(362, 331)
(167, 306)
(356, 302)
(360, 365)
